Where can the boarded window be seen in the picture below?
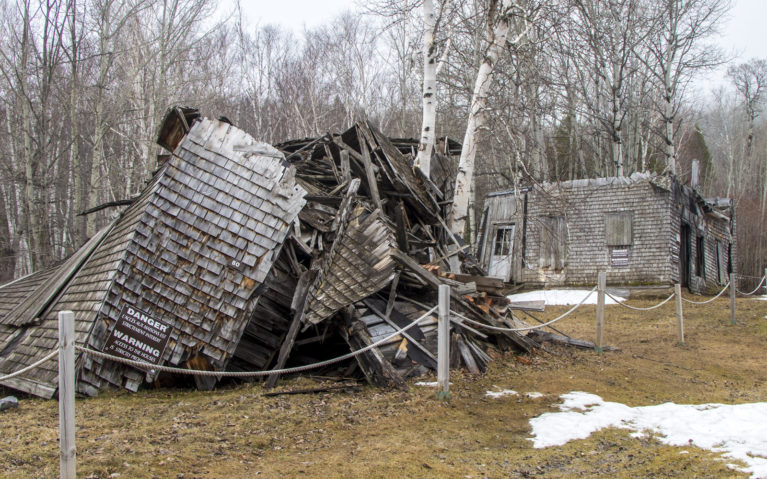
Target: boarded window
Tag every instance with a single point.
(618, 228)
(700, 257)
(553, 242)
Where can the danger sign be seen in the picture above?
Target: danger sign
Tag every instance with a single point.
(138, 336)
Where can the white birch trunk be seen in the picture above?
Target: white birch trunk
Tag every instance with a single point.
(476, 120)
(423, 159)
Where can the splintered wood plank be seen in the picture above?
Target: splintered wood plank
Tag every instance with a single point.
(521, 341)
(414, 335)
(377, 369)
(468, 358)
(370, 174)
(345, 168)
(298, 306)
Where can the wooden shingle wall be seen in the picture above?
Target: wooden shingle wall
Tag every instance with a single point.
(587, 211)
(224, 197)
(83, 295)
(627, 227)
(14, 293)
(717, 231)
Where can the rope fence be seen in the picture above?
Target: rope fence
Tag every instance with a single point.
(248, 374)
(709, 300)
(31, 366)
(758, 287)
(636, 308)
(66, 347)
(328, 362)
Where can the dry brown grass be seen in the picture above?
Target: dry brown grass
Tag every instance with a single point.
(236, 432)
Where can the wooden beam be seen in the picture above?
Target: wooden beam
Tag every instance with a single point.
(370, 304)
(374, 365)
(299, 307)
(371, 176)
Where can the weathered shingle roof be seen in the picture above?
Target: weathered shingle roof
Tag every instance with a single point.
(222, 197)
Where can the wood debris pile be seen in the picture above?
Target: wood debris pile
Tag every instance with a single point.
(239, 256)
(367, 255)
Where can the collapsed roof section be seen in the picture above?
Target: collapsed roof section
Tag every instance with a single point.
(193, 252)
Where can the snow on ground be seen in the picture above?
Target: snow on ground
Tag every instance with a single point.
(510, 392)
(737, 431)
(762, 298)
(497, 394)
(558, 297)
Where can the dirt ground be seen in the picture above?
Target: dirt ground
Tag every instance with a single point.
(237, 432)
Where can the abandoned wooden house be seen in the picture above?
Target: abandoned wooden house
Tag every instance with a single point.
(641, 230)
(241, 256)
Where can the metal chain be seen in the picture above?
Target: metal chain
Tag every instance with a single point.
(528, 328)
(710, 300)
(635, 308)
(31, 366)
(755, 290)
(245, 374)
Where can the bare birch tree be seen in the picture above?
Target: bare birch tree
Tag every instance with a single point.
(500, 20)
(677, 51)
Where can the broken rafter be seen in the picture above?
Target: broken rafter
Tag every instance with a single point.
(109, 204)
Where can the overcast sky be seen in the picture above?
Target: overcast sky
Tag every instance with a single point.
(746, 30)
(744, 35)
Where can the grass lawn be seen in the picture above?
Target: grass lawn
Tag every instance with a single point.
(236, 432)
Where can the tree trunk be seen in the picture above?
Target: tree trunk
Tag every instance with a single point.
(476, 121)
(423, 160)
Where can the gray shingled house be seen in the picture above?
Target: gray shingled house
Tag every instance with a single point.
(641, 230)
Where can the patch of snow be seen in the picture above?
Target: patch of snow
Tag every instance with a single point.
(737, 431)
(534, 395)
(762, 298)
(497, 394)
(561, 297)
(428, 385)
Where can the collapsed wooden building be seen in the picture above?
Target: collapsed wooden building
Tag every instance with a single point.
(645, 229)
(241, 256)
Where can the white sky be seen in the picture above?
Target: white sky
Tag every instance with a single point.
(294, 14)
(744, 33)
(735, 430)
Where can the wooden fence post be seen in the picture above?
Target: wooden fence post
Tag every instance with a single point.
(733, 285)
(679, 317)
(601, 285)
(443, 342)
(67, 450)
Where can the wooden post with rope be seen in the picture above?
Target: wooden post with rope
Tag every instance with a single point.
(443, 342)
(68, 452)
(601, 286)
(679, 316)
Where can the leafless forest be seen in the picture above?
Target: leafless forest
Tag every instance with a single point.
(557, 90)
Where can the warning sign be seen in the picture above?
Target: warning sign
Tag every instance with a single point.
(138, 336)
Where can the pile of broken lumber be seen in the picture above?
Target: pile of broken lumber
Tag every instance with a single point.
(365, 259)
